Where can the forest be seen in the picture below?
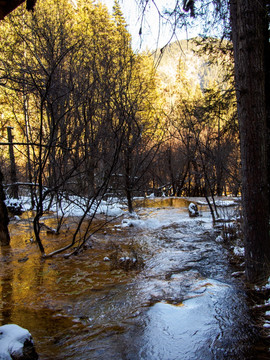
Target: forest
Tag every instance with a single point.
(104, 152)
(91, 119)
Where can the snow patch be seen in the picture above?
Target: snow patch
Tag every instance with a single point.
(142, 224)
(75, 206)
(114, 209)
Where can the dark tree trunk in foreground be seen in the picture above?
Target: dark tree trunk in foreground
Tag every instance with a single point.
(4, 234)
(248, 18)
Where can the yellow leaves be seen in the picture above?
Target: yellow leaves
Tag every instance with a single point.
(76, 64)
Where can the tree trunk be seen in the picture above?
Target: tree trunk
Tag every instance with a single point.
(4, 234)
(248, 31)
(128, 185)
(219, 168)
(267, 86)
(13, 175)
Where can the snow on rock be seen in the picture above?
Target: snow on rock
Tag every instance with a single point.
(266, 286)
(239, 251)
(16, 343)
(14, 206)
(193, 210)
(219, 239)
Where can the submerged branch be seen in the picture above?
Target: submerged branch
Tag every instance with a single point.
(86, 237)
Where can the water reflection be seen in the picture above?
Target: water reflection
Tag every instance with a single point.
(205, 326)
(163, 202)
(6, 285)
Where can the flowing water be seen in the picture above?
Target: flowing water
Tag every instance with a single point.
(182, 304)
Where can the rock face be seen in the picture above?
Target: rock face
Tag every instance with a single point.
(193, 210)
(16, 343)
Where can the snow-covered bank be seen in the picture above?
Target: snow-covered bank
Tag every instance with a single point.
(75, 206)
(72, 206)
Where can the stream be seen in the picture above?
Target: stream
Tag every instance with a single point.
(153, 286)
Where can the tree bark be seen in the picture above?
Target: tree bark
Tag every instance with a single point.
(248, 34)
